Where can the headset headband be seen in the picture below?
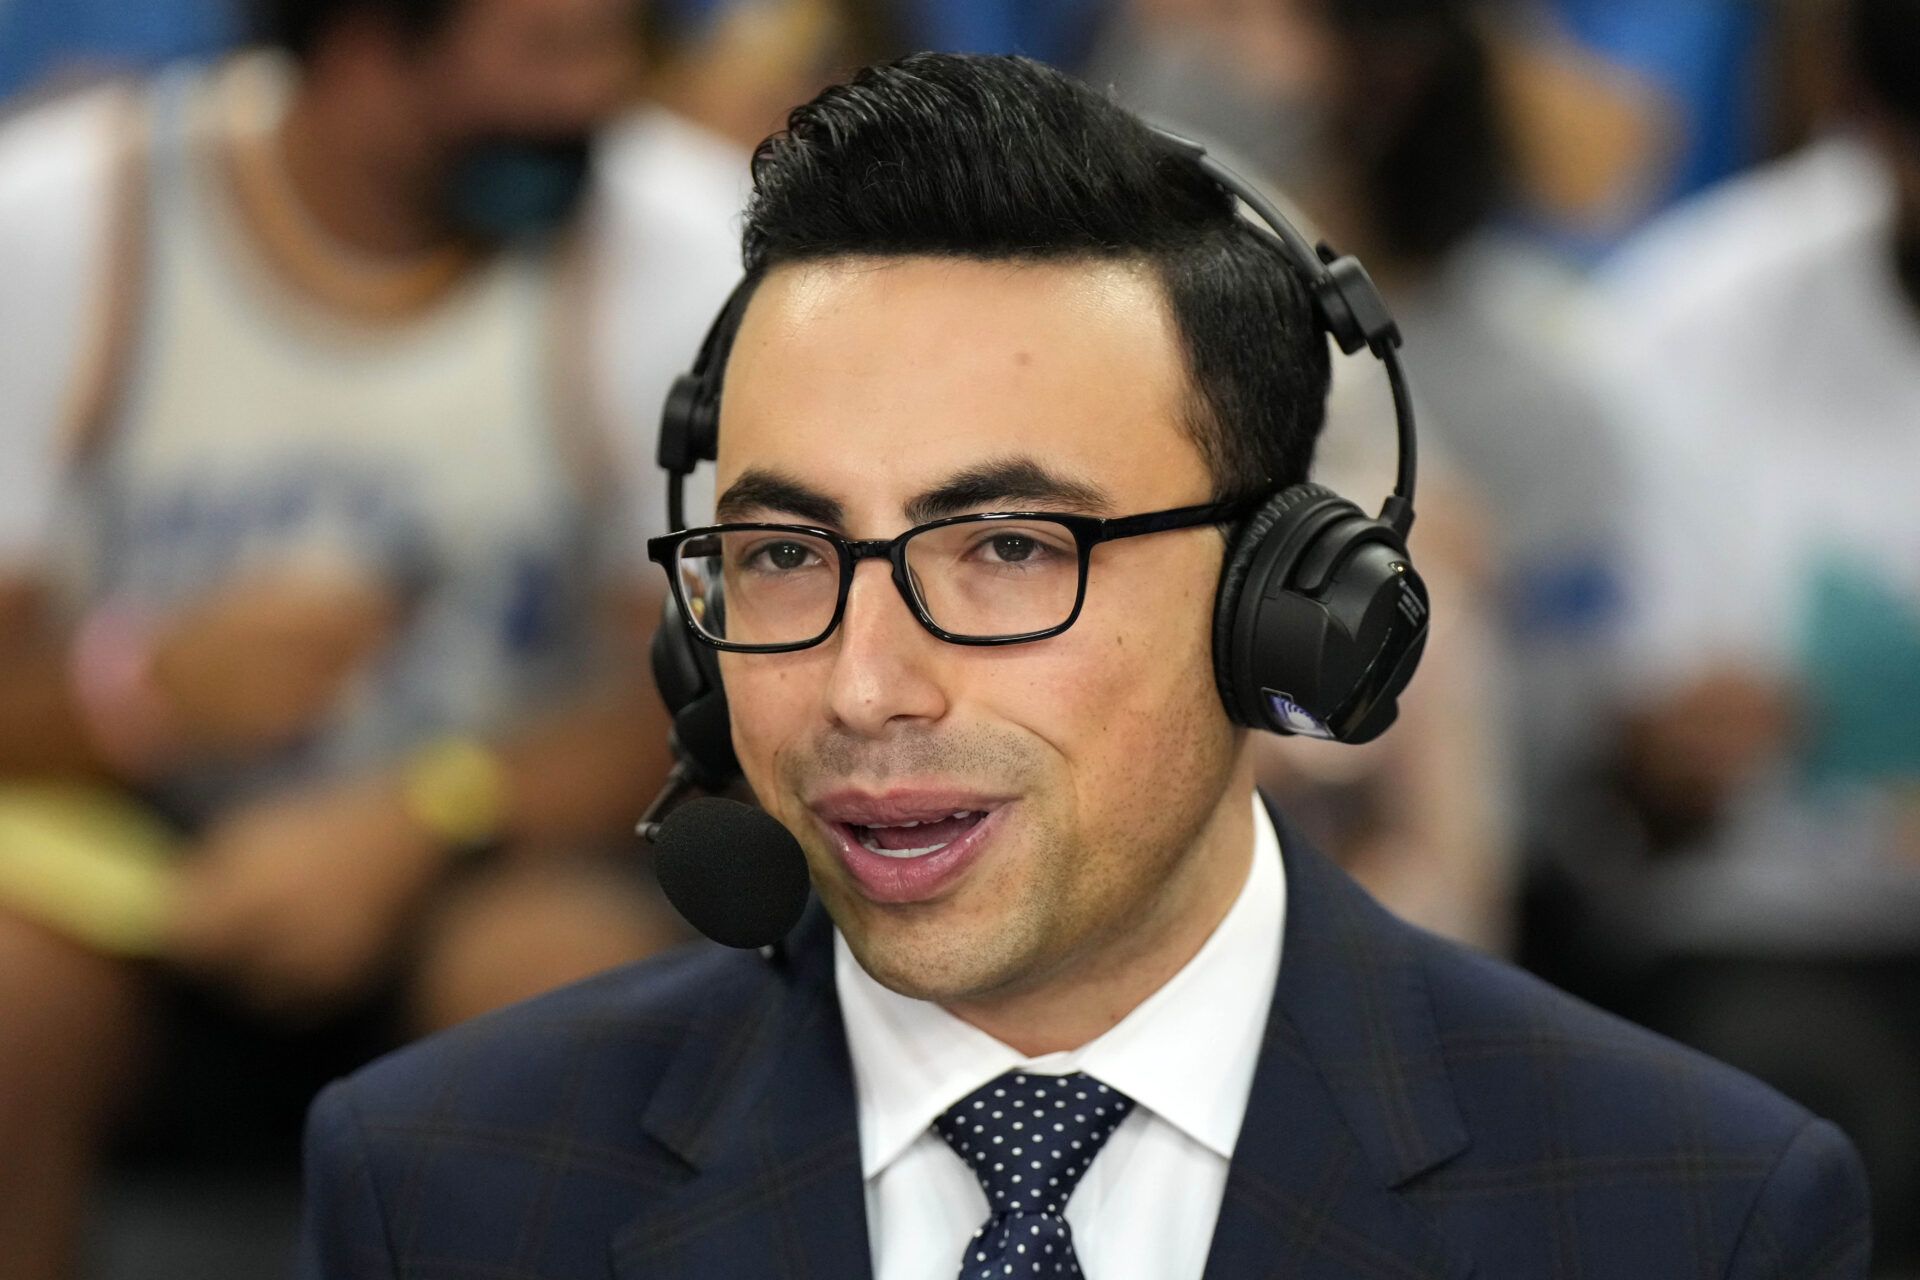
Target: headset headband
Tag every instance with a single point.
(1351, 310)
(1348, 304)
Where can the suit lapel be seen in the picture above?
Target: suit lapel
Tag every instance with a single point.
(1350, 1100)
(760, 1108)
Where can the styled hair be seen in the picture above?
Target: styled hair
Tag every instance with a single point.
(1884, 40)
(1004, 159)
(298, 26)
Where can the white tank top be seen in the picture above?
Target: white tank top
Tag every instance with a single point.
(257, 425)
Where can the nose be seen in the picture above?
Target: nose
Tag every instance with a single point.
(886, 667)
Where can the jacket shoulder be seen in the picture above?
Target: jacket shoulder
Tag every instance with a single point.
(526, 1124)
(585, 1057)
(1512, 1044)
(1594, 1137)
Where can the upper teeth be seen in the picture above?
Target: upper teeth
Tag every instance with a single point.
(868, 840)
(963, 813)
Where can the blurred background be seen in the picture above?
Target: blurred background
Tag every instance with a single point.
(332, 337)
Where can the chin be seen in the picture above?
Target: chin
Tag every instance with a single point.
(929, 958)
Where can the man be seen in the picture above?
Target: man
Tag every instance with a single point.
(307, 538)
(1073, 1001)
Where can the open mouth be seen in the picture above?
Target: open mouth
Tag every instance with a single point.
(911, 844)
(918, 838)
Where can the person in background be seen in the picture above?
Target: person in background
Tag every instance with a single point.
(674, 171)
(1704, 56)
(1767, 344)
(1389, 123)
(311, 539)
(737, 67)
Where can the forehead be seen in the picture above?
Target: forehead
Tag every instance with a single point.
(872, 380)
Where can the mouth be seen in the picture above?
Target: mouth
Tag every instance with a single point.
(907, 847)
(917, 838)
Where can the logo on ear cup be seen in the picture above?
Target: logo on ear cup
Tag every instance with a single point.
(1296, 718)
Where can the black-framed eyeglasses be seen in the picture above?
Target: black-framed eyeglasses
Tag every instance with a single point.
(1006, 577)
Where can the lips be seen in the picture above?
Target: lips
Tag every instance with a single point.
(905, 847)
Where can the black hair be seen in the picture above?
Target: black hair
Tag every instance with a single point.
(1445, 167)
(1884, 40)
(298, 26)
(1002, 158)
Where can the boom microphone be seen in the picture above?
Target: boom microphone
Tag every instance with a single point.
(731, 871)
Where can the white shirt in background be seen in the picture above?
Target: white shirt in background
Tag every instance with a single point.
(668, 219)
(1769, 366)
(665, 233)
(273, 404)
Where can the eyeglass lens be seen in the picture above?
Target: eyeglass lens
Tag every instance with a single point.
(977, 579)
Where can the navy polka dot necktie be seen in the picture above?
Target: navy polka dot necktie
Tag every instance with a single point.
(1029, 1139)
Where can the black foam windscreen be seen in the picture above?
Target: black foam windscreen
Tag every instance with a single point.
(732, 871)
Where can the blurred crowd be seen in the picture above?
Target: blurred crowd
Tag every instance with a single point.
(333, 335)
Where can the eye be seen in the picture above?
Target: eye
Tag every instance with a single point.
(1026, 548)
(781, 557)
(1012, 548)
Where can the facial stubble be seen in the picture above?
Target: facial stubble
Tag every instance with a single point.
(1055, 897)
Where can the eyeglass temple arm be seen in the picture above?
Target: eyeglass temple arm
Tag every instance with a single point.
(1178, 518)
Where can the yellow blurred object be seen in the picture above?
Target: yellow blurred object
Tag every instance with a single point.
(457, 790)
(88, 862)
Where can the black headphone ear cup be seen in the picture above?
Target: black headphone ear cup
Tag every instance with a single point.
(1255, 534)
(674, 452)
(690, 419)
(688, 675)
(689, 424)
(1321, 620)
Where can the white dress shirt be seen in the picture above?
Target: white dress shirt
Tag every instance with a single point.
(1146, 1209)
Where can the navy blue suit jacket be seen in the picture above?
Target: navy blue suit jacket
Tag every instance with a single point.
(1418, 1111)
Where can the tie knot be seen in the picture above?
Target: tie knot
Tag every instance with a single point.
(1030, 1138)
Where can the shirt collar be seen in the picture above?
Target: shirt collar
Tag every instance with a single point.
(1187, 1053)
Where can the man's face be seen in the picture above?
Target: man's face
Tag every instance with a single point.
(1089, 768)
(540, 68)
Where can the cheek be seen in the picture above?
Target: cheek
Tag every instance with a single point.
(773, 703)
(1131, 683)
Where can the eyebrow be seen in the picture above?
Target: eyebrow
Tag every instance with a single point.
(759, 490)
(1003, 481)
(998, 482)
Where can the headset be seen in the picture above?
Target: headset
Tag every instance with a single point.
(1319, 618)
